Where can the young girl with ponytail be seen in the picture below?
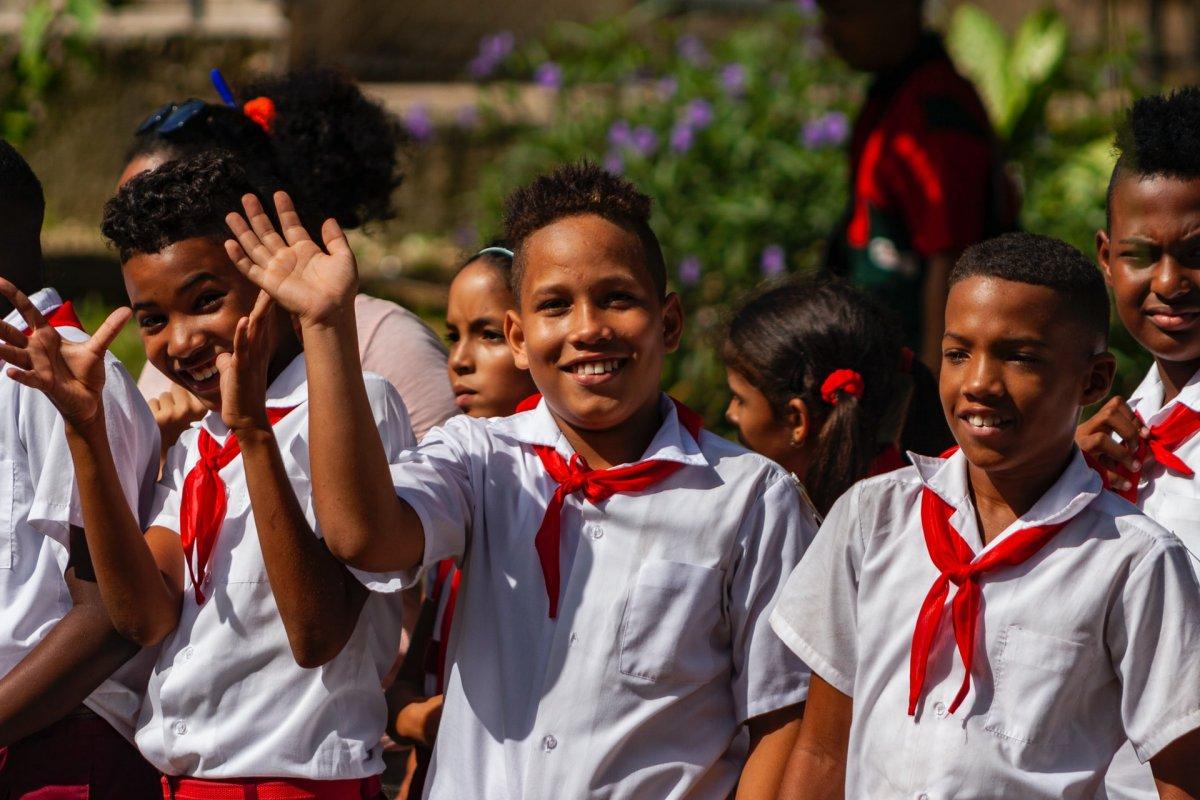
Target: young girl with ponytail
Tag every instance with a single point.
(818, 384)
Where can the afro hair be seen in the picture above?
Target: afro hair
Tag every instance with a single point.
(1042, 261)
(1159, 136)
(573, 190)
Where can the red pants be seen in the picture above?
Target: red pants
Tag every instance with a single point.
(270, 789)
(77, 758)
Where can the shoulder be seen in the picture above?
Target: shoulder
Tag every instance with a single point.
(739, 470)
(937, 99)
(1120, 526)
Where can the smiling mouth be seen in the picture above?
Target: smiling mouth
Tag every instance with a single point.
(1170, 320)
(200, 379)
(986, 423)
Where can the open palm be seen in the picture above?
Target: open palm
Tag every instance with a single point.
(312, 282)
(71, 374)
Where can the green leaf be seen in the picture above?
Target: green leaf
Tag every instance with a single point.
(980, 49)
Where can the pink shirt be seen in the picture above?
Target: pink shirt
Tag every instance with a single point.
(394, 343)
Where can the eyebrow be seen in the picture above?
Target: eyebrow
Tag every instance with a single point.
(199, 277)
(1016, 341)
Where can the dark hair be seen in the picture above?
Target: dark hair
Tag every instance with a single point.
(1159, 136)
(787, 340)
(577, 189)
(335, 150)
(1042, 261)
(183, 199)
(22, 209)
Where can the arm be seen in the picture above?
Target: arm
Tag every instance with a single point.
(1177, 768)
(76, 656)
(140, 577)
(772, 737)
(319, 600)
(364, 523)
(816, 769)
(933, 308)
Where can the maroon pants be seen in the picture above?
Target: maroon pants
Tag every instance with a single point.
(78, 758)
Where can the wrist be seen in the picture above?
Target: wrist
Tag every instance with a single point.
(338, 321)
(254, 434)
(89, 430)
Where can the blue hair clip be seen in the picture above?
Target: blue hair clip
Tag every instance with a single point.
(495, 251)
(218, 82)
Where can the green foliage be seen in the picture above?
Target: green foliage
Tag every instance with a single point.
(127, 347)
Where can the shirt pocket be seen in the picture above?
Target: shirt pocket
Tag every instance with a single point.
(671, 632)
(8, 516)
(1037, 680)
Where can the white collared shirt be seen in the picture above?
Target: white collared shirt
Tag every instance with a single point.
(226, 698)
(661, 648)
(1087, 643)
(39, 502)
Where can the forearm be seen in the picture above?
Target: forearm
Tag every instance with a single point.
(1176, 774)
(319, 600)
(772, 739)
(140, 604)
(813, 775)
(363, 521)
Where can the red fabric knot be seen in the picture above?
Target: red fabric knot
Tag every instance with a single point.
(958, 564)
(62, 317)
(597, 485)
(205, 499)
(841, 380)
(1179, 426)
(262, 111)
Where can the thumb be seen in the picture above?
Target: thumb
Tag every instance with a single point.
(224, 363)
(108, 330)
(335, 238)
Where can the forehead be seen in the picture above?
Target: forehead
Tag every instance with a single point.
(582, 249)
(1156, 206)
(983, 308)
(159, 275)
(479, 285)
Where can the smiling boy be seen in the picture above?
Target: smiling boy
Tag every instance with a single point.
(610, 637)
(1074, 621)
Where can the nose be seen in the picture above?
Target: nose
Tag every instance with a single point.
(982, 378)
(589, 326)
(460, 360)
(1171, 279)
(730, 415)
(185, 339)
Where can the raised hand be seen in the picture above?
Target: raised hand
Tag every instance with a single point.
(244, 371)
(174, 412)
(313, 283)
(71, 374)
(1118, 457)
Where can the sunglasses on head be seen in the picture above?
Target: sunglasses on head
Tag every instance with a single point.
(173, 117)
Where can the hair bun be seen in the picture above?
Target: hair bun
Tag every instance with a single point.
(841, 380)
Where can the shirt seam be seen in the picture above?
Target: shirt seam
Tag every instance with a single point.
(818, 663)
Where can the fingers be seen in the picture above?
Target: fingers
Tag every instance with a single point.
(108, 330)
(289, 220)
(21, 303)
(224, 362)
(261, 223)
(1120, 417)
(251, 244)
(241, 338)
(28, 378)
(155, 407)
(17, 356)
(260, 318)
(262, 306)
(11, 335)
(256, 273)
(335, 239)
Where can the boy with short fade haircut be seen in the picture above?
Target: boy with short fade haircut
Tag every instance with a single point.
(995, 623)
(69, 693)
(1149, 252)
(610, 637)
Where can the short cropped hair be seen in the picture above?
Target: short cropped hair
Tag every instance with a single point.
(1042, 261)
(184, 199)
(22, 202)
(1159, 136)
(574, 190)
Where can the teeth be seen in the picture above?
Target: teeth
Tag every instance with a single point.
(203, 374)
(596, 367)
(980, 421)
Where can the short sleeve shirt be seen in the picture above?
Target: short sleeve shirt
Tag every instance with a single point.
(1080, 647)
(660, 650)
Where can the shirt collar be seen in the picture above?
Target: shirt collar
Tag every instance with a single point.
(288, 390)
(672, 442)
(1075, 488)
(1147, 399)
(45, 301)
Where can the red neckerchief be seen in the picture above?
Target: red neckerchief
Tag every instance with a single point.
(448, 579)
(597, 485)
(202, 508)
(957, 564)
(62, 317)
(1179, 426)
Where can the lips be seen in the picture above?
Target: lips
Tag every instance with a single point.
(201, 379)
(591, 372)
(1173, 319)
(984, 423)
(463, 396)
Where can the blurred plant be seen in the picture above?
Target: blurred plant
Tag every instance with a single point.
(53, 33)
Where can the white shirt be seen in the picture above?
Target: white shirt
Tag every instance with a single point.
(660, 650)
(39, 502)
(226, 698)
(1079, 648)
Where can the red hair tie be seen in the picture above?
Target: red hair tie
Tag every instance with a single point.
(262, 111)
(841, 380)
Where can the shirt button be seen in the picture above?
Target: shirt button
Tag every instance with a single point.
(180, 728)
(596, 531)
(549, 742)
(187, 653)
(940, 710)
(922, 796)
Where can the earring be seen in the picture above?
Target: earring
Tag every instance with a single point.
(795, 439)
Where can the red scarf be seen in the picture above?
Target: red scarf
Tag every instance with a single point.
(62, 317)
(597, 485)
(1179, 426)
(202, 508)
(957, 564)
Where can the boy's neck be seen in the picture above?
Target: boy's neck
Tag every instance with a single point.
(1174, 376)
(1000, 498)
(622, 444)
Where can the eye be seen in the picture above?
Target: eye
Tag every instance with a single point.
(1025, 358)
(148, 321)
(620, 299)
(551, 305)
(954, 356)
(492, 335)
(451, 336)
(208, 300)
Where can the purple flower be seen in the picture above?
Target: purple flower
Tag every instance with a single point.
(667, 87)
(689, 270)
(827, 130)
(620, 134)
(418, 123)
(683, 136)
(733, 79)
(548, 75)
(493, 49)
(774, 260)
(468, 117)
(691, 50)
(699, 114)
(614, 163)
(645, 140)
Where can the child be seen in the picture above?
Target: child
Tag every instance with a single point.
(337, 152)
(1074, 622)
(610, 634)
(813, 371)
(67, 705)
(1147, 445)
(267, 681)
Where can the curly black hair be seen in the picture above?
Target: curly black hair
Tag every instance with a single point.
(336, 150)
(1160, 136)
(22, 209)
(183, 199)
(1042, 261)
(577, 189)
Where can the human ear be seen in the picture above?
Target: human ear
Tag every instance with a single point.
(1102, 368)
(672, 322)
(798, 421)
(514, 334)
(1103, 254)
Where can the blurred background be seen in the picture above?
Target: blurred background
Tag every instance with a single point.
(731, 113)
